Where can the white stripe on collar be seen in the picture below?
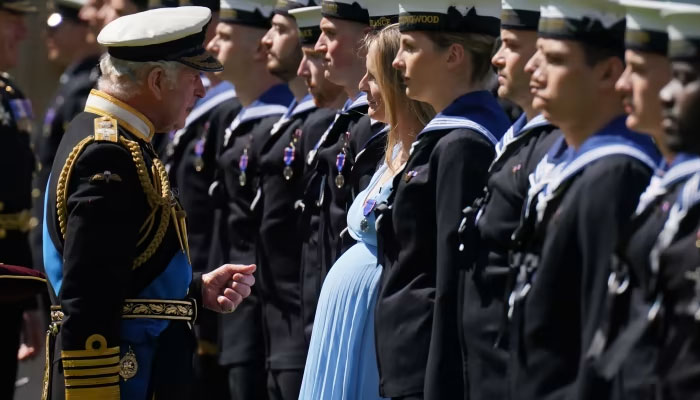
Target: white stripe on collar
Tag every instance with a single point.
(298, 109)
(510, 136)
(444, 123)
(253, 113)
(359, 102)
(658, 186)
(103, 104)
(203, 109)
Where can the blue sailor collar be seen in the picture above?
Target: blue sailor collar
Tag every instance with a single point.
(383, 131)
(614, 139)
(294, 109)
(477, 111)
(683, 166)
(102, 104)
(273, 102)
(216, 95)
(517, 131)
(359, 101)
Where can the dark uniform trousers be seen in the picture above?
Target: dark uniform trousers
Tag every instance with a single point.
(419, 250)
(191, 163)
(16, 168)
(116, 257)
(246, 336)
(484, 280)
(343, 162)
(557, 310)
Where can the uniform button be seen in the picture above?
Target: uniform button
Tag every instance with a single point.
(2, 206)
(33, 222)
(36, 193)
(3, 234)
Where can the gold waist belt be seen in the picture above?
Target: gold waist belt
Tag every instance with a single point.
(175, 310)
(20, 221)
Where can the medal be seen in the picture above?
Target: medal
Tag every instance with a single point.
(366, 211)
(288, 159)
(339, 163)
(128, 366)
(198, 151)
(243, 165)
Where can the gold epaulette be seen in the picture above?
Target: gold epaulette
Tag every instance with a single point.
(106, 129)
(92, 373)
(157, 191)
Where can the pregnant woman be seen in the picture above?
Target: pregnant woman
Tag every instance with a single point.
(341, 363)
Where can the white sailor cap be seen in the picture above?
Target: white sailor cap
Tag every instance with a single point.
(283, 6)
(64, 10)
(351, 10)
(467, 16)
(597, 22)
(382, 13)
(520, 14)
(683, 29)
(309, 24)
(645, 27)
(255, 13)
(162, 34)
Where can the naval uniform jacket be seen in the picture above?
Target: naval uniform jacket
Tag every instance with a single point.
(416, 314)
(339, 152)
(16, 169)
(632, 342)
(573, 219)
(244, 335)
(74, 87)
(484, 292)
(279, 246)
(191, 163)
(117, 264)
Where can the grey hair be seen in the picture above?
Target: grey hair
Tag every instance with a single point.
(126, 78)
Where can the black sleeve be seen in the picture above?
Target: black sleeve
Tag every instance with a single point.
(100, 238)
(609, 191)
(463, 162)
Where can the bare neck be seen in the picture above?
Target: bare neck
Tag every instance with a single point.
(298, 88)
(448, 93)
(589, 123)
(251, 86)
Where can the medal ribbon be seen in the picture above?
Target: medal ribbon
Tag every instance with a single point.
(340, 161)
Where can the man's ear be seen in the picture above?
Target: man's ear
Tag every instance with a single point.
(609, 71)
(156, 82)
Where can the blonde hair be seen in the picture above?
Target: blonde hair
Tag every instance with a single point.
(480, 46)
(392, 87)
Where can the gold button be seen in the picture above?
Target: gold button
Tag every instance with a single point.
(2, 206)
(33, 222)
(36, 193)
(3, 234)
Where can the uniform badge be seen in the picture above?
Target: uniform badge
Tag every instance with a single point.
(22, 112)
(106, 129)
(410, 175)
(5, 116)
(128, 365)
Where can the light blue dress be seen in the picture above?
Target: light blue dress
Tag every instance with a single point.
(342, 363)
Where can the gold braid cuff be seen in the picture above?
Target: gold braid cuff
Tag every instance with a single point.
(157, 201)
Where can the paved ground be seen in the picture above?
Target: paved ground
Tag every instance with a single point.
(29, 378)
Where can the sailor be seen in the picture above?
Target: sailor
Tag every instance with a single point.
(282, 170)
(631, 338)
(115, 237)
(333, 156)
(445, 61)
(72, 47)
(244, 342)
(497, 213)
(673, 278)
(16, 168)
(326, 96)
(591, 178)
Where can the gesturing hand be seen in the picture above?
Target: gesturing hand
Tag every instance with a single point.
(225, 288)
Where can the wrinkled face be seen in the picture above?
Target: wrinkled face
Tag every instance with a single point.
(562, 84)
(283, 47)
(681, 102)
(311, 69)
(369, 85)
(178, 101)
(420, 62)
(644, 77)
(12, 32)
(90, 13)
(517, 46)
(63, 41)
(339, 42)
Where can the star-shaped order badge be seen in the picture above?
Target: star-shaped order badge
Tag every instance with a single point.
(5, 116)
